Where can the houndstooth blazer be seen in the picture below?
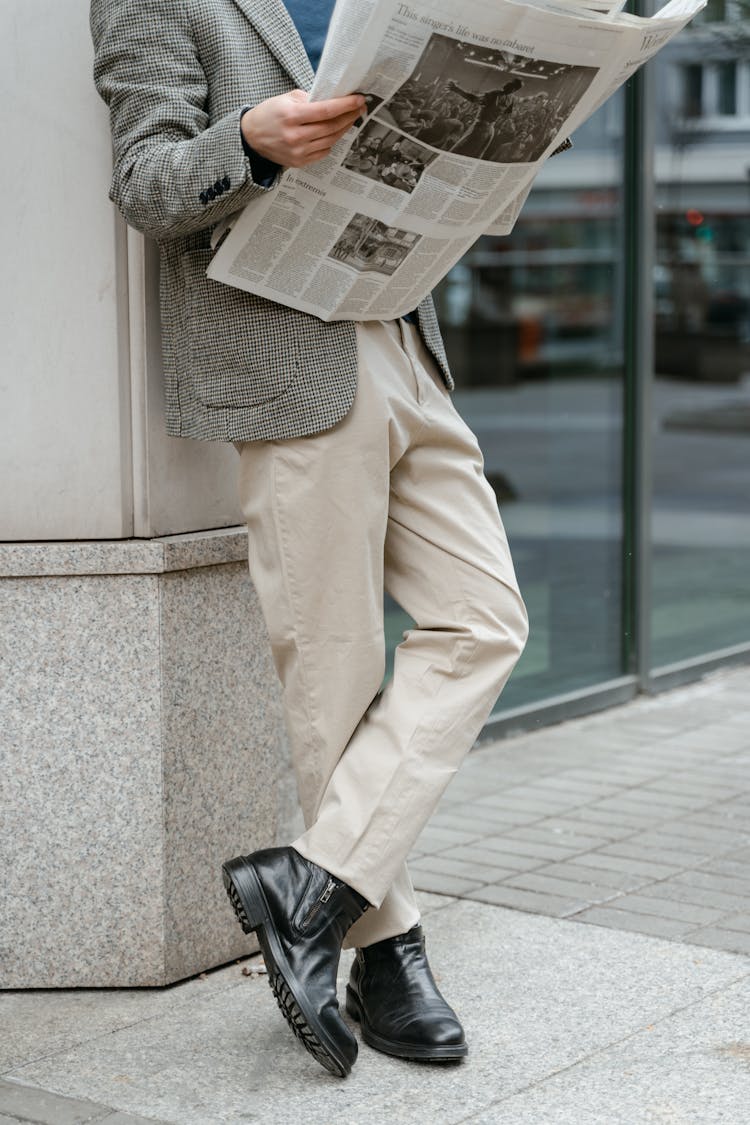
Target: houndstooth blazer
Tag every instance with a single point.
(175, 75)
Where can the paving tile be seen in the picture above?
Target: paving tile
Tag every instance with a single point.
(729, 736)
(664, 841)
(632, 849)
(739, 822)
(731, 940)
(535, 848)
(474, 872)
(433, 839)
(491, 856)
(503, 816)
(714, 817)
(659, 798)
(443, 884)
(621, 776)
(126, 1119)
(728, 868)
(739, 922)
(700, 896)
(578, 873)
(627, 863)
(428, 902)
(585, 790)
(517, 807)
(549, 884)
(487, 815)
(723, 772)
(742, 800)
(596, 813)
(677, 784)
(654, 724)
(535, 791)
(545, 832)
(555, 906)
(714, 882)
(473, 825)
(469, 783)
(650, 903)
(628, 822)
(571, 831)
(632, 806)
(45, 1108)
(640, 923)
(725, 838)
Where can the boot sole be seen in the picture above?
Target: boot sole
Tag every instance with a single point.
(416, 1051)
(251, 908)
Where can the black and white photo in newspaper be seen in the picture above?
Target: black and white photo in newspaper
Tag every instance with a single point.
(462, 113)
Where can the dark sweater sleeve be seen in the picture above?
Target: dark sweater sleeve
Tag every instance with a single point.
(263, 171)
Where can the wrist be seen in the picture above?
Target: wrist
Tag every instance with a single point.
(262, 170)
(246, 126)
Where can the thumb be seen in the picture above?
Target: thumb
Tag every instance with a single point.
(299, 95)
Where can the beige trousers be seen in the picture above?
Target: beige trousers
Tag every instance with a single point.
(392, 497)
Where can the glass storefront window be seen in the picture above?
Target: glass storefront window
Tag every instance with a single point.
(701, 489)
(533, 328)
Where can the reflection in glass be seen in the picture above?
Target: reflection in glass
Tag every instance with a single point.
(726, 74)
(701, 531)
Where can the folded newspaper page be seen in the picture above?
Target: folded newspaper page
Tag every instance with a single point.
(463, 111)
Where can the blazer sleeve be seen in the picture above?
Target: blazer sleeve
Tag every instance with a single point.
(174, 173)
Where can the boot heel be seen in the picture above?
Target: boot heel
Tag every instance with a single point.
(245, 894)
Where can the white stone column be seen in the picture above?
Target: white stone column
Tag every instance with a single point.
(140, 727)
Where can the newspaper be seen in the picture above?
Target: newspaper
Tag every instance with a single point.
(462, 113)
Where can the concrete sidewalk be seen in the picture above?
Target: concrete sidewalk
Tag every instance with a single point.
(570, 1017)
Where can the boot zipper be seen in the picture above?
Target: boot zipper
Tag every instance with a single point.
(330, 887)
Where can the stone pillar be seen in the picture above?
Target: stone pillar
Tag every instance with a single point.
(141, 747)
(140, 729)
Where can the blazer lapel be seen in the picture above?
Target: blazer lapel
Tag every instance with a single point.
(273, 22)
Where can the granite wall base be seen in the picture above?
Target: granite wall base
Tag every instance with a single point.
(142, 744)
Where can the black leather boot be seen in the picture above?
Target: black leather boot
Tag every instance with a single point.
(300, 914)
(393, 994)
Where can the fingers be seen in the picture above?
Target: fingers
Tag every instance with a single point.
(315, 147)
(318, 131)
(307, 112)
(314, 141)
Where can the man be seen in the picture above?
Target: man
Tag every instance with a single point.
(391, 152)
(442, 131)
(493, 119)
(400, 174)
(355, 473)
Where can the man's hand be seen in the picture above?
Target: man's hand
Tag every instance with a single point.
(292, 131)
